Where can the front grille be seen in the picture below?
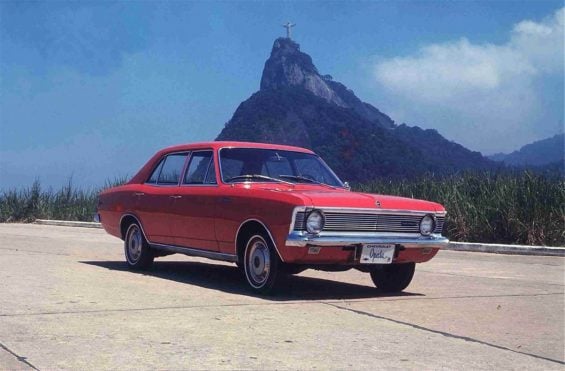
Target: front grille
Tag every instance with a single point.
(367, 222)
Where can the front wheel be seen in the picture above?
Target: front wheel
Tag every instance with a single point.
(394, 277)
(261, 264)
(137, 250)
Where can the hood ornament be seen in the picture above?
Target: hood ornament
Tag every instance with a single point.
(378, 204)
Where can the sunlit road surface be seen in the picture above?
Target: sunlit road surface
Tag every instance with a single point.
(67, 301)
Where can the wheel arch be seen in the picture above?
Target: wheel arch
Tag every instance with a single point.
(245, 230)
(126, 220)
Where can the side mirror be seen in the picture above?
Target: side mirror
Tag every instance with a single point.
(346, 186)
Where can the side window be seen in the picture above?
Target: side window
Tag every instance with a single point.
(155, 175)
(201, 169)
(172, 169)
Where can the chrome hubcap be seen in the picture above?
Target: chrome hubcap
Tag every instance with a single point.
(134, 244)
(259, 261)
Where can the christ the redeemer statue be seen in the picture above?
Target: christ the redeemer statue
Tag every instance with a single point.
(288, 26)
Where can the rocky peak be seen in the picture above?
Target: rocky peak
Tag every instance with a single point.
(289, 67)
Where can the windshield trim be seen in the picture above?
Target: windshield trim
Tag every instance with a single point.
(329, 169)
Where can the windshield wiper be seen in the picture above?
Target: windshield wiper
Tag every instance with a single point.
(299, 177)
(256, 176)
(309, 180)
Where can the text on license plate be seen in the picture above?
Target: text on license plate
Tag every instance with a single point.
(377, 254)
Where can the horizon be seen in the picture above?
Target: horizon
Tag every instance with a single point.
(93, 90)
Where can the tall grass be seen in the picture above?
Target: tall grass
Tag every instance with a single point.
(504, 207)
(67, 203)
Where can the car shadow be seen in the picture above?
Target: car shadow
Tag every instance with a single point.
(229, 279)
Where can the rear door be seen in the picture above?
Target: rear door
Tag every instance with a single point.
(156, 201)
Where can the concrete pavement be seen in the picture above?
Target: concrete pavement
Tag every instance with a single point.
(67, 301)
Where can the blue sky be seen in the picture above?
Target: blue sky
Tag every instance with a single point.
(92, 89)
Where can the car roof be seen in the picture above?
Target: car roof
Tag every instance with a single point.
(144, 172)
(231, 144)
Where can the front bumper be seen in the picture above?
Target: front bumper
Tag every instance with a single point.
(409, 242)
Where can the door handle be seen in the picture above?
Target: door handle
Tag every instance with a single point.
(176, 197)
(138, 194)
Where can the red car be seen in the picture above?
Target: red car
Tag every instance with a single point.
(271, 209)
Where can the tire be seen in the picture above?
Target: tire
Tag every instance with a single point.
(394, 277)
(136, 249)
(261, 264)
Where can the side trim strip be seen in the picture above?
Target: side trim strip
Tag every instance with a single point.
(195, 252)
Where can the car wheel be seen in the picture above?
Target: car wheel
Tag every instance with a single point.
(393, 277)
(137, 250)
(261, 264)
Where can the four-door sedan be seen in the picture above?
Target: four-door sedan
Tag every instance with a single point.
(271, 209)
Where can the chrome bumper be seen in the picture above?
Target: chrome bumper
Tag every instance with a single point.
(409, 242)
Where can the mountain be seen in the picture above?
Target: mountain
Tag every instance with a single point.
(540, 153)
(297, 105)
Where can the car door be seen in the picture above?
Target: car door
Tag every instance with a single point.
(155, 202)
(195, 207)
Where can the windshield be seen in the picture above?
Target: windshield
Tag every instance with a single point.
(270, 165)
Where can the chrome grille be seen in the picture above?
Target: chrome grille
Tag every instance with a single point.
(367, 222)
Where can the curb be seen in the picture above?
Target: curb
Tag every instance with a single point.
(66, 223)
(506, 249)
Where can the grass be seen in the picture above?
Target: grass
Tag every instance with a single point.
(68, 203)
(504, 207)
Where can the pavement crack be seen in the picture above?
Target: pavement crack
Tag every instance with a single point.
(19, 358)
(289, 302)
(446, 334)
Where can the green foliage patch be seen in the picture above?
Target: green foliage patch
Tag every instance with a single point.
(501, 207)
(68, 203)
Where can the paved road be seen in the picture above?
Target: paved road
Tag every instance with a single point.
(68, 302)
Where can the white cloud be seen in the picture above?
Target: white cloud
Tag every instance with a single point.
(485, 96)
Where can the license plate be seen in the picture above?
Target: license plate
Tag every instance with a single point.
(377, 254)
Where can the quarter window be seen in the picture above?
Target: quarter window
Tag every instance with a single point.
(171, 169)
(155, 175)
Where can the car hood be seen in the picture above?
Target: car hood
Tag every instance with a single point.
(321, 196)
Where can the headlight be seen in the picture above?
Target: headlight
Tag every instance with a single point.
(315, 222)
(427, 225)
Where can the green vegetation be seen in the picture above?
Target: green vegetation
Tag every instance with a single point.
(504, 207)
(68, 203)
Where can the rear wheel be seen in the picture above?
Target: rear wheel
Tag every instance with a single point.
(137, 251)
(261, 263)
(394, 277)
